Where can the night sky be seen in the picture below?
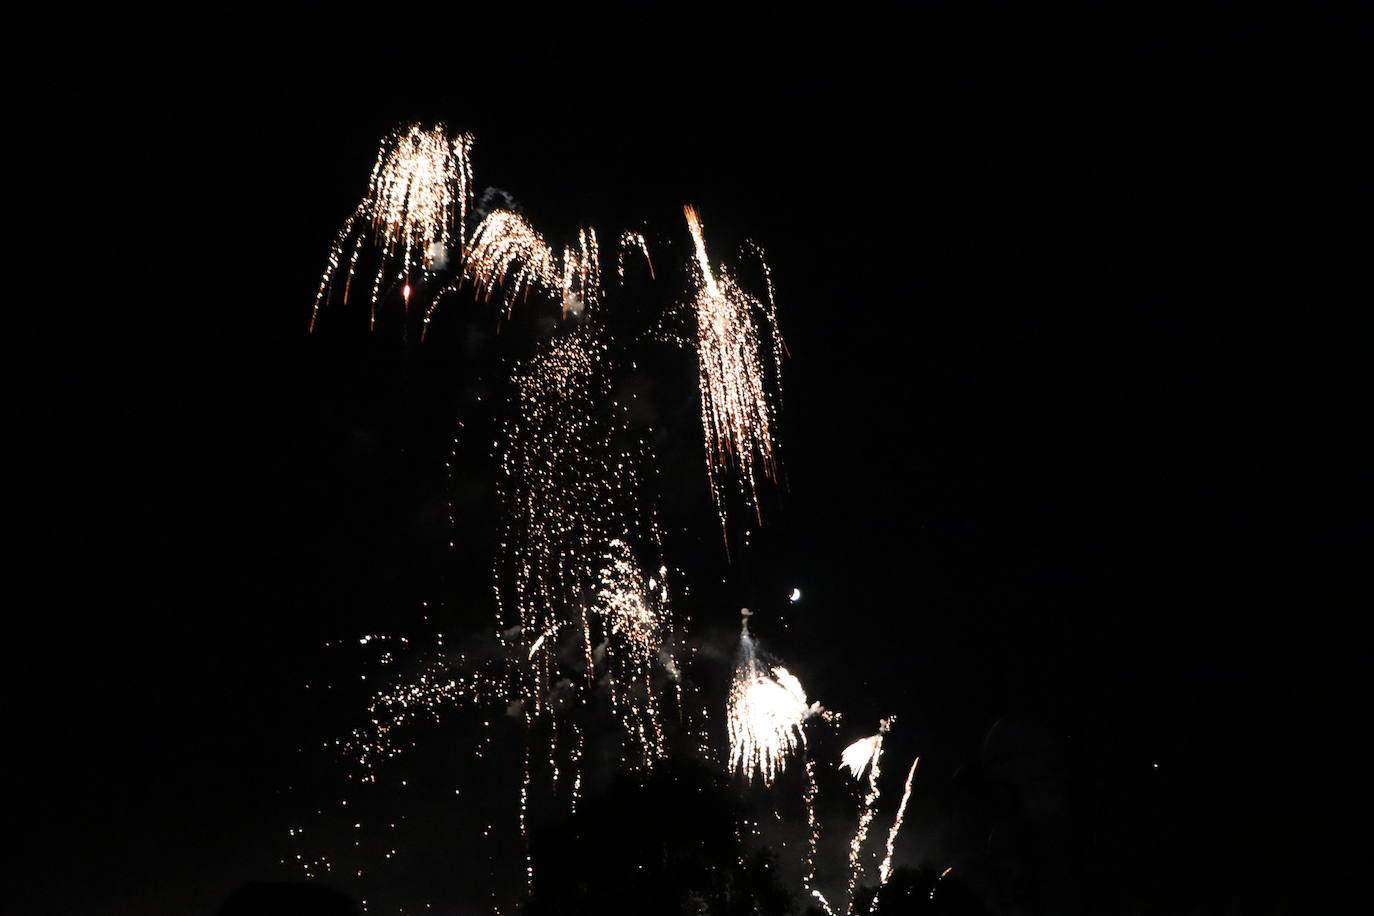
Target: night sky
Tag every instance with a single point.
(1070, 431)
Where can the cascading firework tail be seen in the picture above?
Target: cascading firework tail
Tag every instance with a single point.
(737, 412)
(570, 578)
(508, 257)
(412, 214)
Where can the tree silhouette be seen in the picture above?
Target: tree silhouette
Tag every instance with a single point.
(920, 892)
(664, 842)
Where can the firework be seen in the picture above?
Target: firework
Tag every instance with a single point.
(944, 874)
(813, 836)
(632, 241)
(860, 754)
(737, 414)
(412, 213)
(440, 682)
(765, 712)
(572, 573)
(633, 613)
(885, 870)
(864, 754)
(509, 258)
(813, 833)
(584, 607)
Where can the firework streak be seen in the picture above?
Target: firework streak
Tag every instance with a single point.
(738, 416)
(885, 870)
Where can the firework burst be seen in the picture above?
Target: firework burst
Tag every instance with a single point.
(764, 715)
(509, 259)
(635, 615)
(571, 578)
(857, 757)
(737, 413)
(412, 214)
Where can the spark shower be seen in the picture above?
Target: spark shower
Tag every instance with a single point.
(584, 595)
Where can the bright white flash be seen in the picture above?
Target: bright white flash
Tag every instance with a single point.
(764, 716)
(859, 755)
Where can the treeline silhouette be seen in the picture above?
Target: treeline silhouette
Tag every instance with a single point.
(666, 842)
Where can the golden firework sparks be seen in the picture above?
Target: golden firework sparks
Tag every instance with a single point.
(571, 563)
(508, 257)
(633, 241)
(412, 213)
(813, 836)
(579, 566)
(633, 612)
(737, 414)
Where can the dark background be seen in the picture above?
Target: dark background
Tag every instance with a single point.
(1070, 435)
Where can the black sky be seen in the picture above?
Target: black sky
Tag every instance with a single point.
(1071, 430)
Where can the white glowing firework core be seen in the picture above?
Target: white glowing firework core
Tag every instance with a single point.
(765, 715)
(860, 754)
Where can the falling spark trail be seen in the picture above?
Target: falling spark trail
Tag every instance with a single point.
(508, 257)
(572, 565)
(737, 415)
(636, 241)
(812, 828)
(813, 835)
(507, 252)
